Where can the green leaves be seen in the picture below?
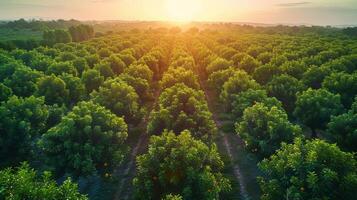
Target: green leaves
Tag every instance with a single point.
(309, 170)
(179, 75)
(314, 108)
(263, 129)
(240, 82)
(218, 64)
(22, 119)
(181, 165)
(120, 98)
(343, 129)
(284, 88)
(343, 84)
(180, 108)
(24, 183)
(86, 138)
(53, 89)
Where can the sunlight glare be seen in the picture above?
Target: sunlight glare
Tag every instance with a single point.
(183, 10)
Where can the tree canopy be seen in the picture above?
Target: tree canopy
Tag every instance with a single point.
(309, 170)
(181, 165)
(86, 139)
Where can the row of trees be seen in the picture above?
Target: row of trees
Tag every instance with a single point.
(74, 33)
(182, 162)
(69, 107)
(39, 25)
(288, 79)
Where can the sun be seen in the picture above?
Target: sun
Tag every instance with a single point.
(183, 10)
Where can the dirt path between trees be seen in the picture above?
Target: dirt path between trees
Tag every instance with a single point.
(126, 173)
(227, 142)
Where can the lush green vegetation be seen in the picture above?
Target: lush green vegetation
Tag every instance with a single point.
(76, 106)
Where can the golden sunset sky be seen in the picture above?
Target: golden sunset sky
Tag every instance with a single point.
(319, 12)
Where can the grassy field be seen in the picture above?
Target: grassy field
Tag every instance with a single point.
(7, 34)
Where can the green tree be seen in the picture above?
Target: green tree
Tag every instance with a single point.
(104, 69)
(218, 78)
(116, 64)
(265, 57)
(249, 64)
(343, 84)
(92, 79)
(172, 197)
(26, 183)
(314, 76)
(180, 108)
(294, 68)
(128, 59)
(263, 129)
(21, 120)
(66, 57)
(51, 37)
(80, 64)
(249, 98)
(81, 32)
(104, 52)
(240, 82)
(218, 64)
(6, 70)
(5, 92)
(284, 88)
(92, 59)
(120, 98)
(75, 87)
(62, 67)
(342, 129)
(309, 170)
(153, 63)
(314, 108)
(54, 90)
(140, 71)
(180, 165)
(179, 75)
(141, 86)
(88, 139)
(23, 81)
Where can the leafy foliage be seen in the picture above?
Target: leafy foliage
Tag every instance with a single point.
(87, 139)
(263, 129)
(24, 183)
(21, 120)
(284, 88)
(309, 170)
(180, 108)
(53, 89)
(120, 98)
(342, 129)
(23, 81)
(251, 97)
(180, 165)
(344, 84)
(179, 75)
(314, 108)
(240, 82)
(92, 79)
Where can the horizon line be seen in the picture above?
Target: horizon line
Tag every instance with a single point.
(185, 22)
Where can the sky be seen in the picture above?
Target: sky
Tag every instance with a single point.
(316, 12)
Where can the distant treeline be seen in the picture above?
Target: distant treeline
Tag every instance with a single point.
(73, 34)
(21, 44)
(39, 25)
(76, 33)
(351, 31)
